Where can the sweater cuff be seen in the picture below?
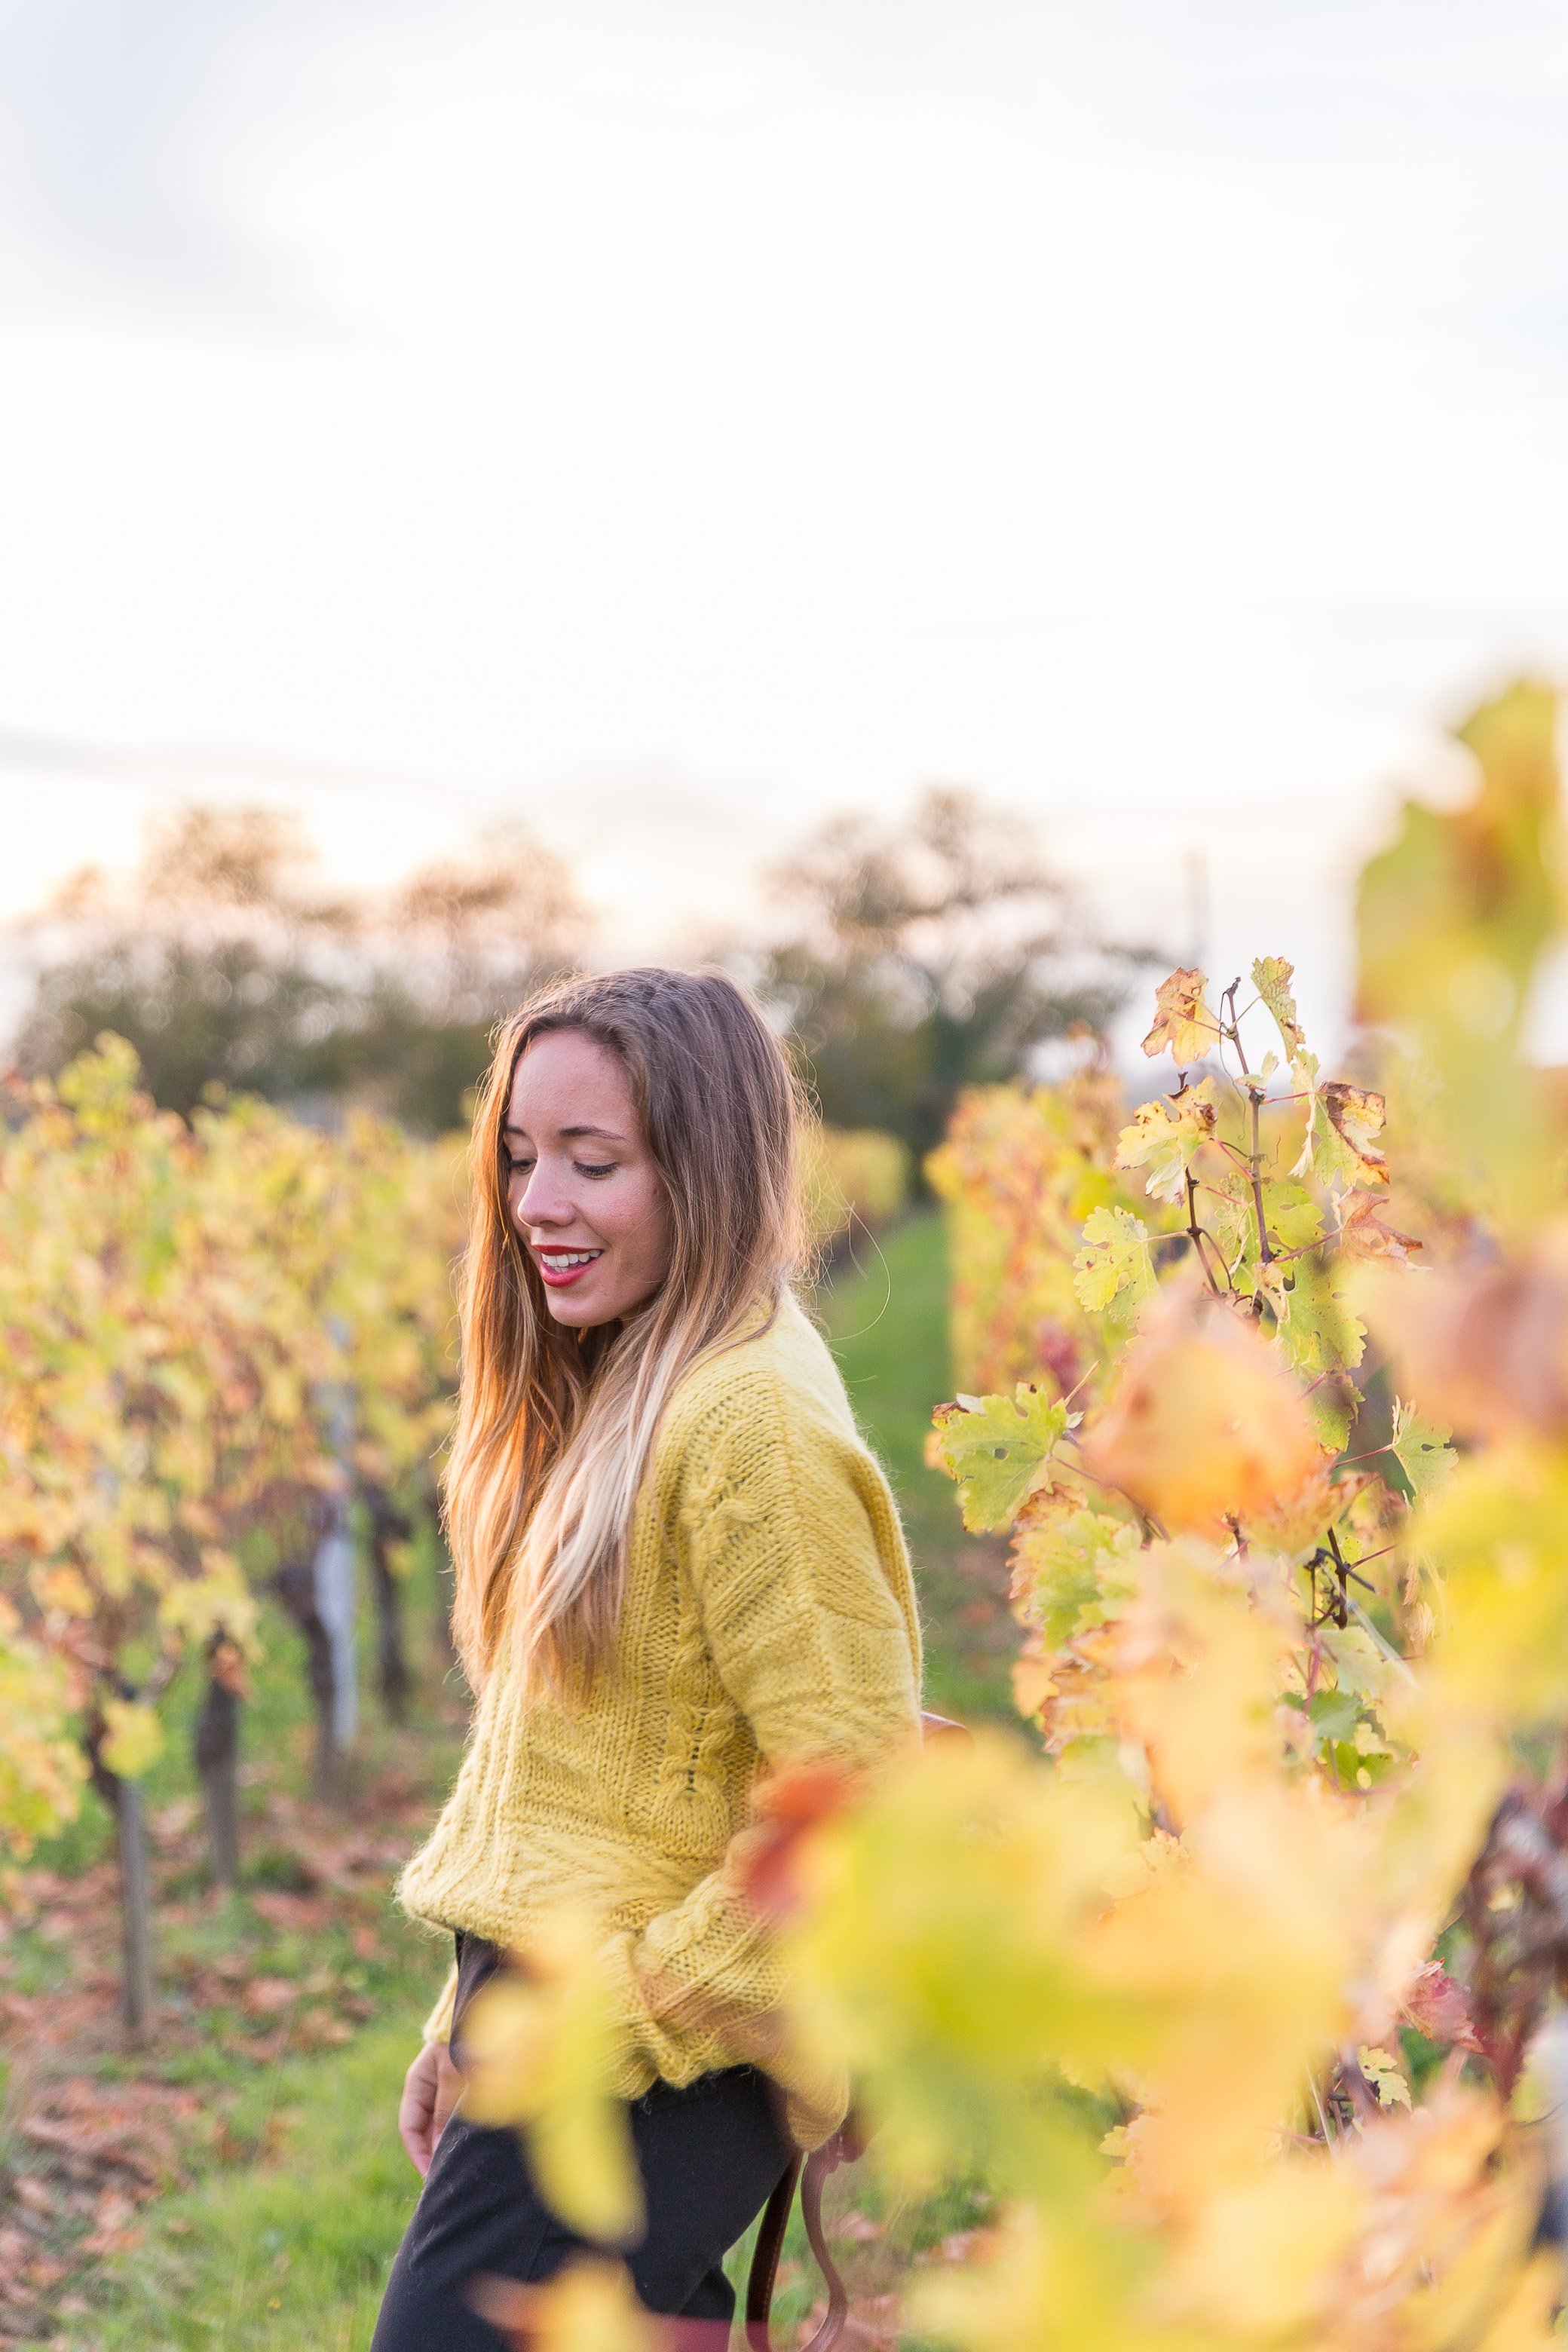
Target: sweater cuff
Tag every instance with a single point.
(646, 2054)
(816, 2094)
(814, 2108)
(437, 2026)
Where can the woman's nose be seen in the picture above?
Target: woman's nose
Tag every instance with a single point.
(542, 1201)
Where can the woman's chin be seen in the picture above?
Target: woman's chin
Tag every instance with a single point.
(580, 1313)
(577, 1314)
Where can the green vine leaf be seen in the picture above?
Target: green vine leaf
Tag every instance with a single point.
(1271, 977)
(1317, 1329)
(1422, 1451)
(1114, 1260)
(999, 1450)
(1344, 1123)
(1073, 1572)
(1163, 1136)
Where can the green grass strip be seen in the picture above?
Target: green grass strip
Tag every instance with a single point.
(291, 2251)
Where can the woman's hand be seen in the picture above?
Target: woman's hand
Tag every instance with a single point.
(431, 2089)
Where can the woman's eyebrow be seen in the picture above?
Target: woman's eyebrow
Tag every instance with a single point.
(607, 1134)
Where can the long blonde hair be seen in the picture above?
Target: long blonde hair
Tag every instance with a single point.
(553, 1430)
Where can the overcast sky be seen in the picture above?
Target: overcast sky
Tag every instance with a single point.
(669, 422)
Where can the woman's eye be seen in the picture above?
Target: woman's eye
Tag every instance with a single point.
(517, 1167)
(584, 1169)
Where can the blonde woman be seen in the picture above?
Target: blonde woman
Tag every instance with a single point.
(678, 1567)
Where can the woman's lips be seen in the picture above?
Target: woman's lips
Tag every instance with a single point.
(568, 1266)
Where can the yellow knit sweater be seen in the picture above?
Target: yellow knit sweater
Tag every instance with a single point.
(769, 1617)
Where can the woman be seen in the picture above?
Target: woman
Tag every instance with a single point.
(677, 1567)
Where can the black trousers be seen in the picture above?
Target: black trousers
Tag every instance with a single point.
(710, 2157)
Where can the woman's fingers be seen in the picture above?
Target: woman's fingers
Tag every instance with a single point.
(431, 2089)
(416, 2126)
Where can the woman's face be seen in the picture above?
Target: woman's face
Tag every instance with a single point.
(582, 1188)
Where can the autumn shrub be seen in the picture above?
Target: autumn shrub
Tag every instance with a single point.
(851, 1179)
(214, 1334)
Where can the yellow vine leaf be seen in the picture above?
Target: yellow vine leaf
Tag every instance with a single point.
(1344, 1123)
(1072, 1571)
(589, 2306)
(41, 1767)
(1284, 2235)
(1422, 1451)
(1480, 881)
(1451, 921)
(1202, 1425)
(65, 1588)
(1357, 1115)
(1184, 1025)
(1319, 1330)
(1496, 1528)
(1030, 1676)
(1271, 977)
(134, 1739)
(1114, 1262)
(542, 2051)
(1163, 1136)
(1385, 2075)
(1483, 1347)
(999, 1449)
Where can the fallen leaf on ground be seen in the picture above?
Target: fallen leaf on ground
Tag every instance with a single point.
(265, 1995)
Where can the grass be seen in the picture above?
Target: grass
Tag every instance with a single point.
(285, 2235)
(261, 2111)
(885, 1316)
(292, 2250)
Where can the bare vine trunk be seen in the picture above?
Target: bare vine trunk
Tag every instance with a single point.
(319, 1594)
(388, 1526)
(123, 1800)
(297, 1589)
(215, 1747)
(135, 1908)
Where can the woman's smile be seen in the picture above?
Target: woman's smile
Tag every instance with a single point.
(560, 1267)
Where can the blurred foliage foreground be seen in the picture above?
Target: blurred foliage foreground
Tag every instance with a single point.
(1239, 1991)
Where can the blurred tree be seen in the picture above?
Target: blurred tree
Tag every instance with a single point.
(196, 1011)
(931, 953)
(219, 964)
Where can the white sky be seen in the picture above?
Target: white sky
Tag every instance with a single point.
(669, 420)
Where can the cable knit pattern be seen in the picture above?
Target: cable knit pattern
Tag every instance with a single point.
(768, 1618)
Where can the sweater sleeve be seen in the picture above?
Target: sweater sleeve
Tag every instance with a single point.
(790, 1538)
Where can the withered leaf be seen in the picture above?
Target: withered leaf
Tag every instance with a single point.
(1182, 1021)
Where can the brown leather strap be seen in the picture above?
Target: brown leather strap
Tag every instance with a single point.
(766, 2260)
(844, 2147)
